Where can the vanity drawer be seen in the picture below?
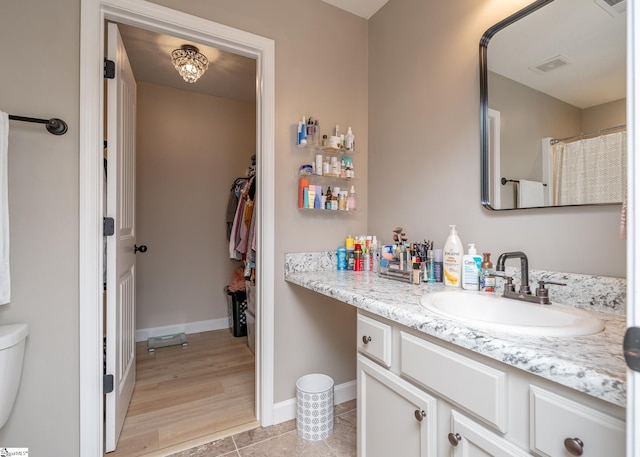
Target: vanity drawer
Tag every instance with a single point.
(374, 339)
(480, 389)
(555, 418)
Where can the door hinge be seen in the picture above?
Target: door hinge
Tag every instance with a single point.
(631, 348)
(104, 144)
(107, 383)
(109, 69)
(108, 226)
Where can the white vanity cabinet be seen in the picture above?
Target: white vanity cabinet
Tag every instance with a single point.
(473, 406)
(400, 418)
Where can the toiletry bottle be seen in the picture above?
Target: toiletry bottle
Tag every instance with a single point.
(375, 255)
(349, 243)
(312, 196)
(342, 200)
(415, 278)
(471, 264)
(318, 165)
(357, 258)
(429, 268)
(437, 264)
(316, 132)
(334, 198)
(310, 130)
(352, 202)
(342, 258)
(303, 184)
(487, 278)
(302, 132)
(452, 259)
(317, 199)
(348, 140)
(329, 196)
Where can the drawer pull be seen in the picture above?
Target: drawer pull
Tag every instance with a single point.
(420, 414)
(454, 438)
(574, 446)
(366, 339)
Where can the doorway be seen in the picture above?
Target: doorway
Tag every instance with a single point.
(193, 141)
(163, 20)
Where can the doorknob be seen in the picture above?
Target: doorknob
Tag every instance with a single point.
(142, 248)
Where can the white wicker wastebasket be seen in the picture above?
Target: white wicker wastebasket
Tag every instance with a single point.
(314, 420)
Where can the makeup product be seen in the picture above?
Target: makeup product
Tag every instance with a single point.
(303, 183)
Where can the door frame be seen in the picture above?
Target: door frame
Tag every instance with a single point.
(142, 14)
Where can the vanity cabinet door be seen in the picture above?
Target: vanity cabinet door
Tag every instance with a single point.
(394, 417)
(560, 426)
(469, 439)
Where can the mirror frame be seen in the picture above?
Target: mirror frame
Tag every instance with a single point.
(485, 185)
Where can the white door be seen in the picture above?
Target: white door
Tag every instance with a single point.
(121, 265)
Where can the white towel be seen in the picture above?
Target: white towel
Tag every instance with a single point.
(530, 194)
(5, 278)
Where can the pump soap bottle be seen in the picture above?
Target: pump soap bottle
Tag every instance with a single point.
(452, 259)
(487, 278)
(471, 265)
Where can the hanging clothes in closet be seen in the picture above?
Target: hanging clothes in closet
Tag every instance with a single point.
(241, 226)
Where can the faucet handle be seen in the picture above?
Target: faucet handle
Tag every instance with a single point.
(553, 283)
(543, 292)
(508, 284)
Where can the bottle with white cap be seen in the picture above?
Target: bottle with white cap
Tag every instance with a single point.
(352, 202)
(349, 140)
(471, 265)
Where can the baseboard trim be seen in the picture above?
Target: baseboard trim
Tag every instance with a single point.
(189, 327)
(286, 410)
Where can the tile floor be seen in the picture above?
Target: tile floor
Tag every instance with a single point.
(282, 440)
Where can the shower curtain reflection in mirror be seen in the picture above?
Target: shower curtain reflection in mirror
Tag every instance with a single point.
(588, 171)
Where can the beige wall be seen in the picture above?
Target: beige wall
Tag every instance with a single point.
(423, 115)
(603, 116)
(42, 81)
(191, 147)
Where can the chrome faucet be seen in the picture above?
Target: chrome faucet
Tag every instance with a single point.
(524, 269)
(542, 294)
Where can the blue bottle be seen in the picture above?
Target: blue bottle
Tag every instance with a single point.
(342, 258)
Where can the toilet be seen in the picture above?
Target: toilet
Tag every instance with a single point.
(12, 340)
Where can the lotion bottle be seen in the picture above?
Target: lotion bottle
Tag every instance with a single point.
(452, 259)
(471, 265)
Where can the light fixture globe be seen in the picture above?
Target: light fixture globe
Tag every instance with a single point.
(189, 62)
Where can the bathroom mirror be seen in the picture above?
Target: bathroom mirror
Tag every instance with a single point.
(553, 105)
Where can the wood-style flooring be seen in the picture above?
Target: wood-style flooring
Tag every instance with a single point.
(188, 396)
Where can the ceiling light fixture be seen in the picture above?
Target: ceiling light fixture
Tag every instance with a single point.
(190, 63)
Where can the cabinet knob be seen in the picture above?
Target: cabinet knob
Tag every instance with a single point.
(454, 438)
(574, 446)
(366, 339)
(420, 414)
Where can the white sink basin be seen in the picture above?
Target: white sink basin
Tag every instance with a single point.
(495, 312)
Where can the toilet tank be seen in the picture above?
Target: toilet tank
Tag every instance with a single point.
(12, 342)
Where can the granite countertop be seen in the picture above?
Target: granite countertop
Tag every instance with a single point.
(592, 364)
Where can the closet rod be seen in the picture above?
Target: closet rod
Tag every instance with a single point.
(54, 125)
